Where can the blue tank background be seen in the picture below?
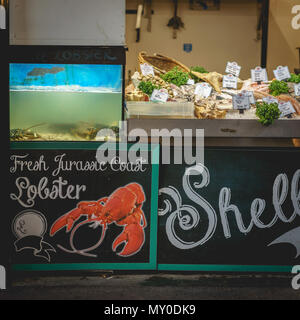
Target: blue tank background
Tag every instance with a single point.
(54, 75)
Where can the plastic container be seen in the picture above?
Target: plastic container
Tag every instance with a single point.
(173, 110)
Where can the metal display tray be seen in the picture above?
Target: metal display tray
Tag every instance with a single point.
(222, 128)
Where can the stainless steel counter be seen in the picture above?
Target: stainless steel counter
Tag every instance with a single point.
(282, 133)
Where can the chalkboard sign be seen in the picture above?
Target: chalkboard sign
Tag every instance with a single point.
(238, 211)
(70, 211)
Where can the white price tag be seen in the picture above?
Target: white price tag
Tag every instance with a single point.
(159, 96)
(282, 73)
(250, 95)
(230, 81)
(286, 109)
(297, 90)
(270, 100)
(259, 75)
(233, 68)
(241, 102)
(191, 82)
(203, 89)
(147, 69)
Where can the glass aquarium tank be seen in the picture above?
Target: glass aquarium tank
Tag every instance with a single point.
(64, 102)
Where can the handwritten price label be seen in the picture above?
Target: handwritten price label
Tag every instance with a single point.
(191, 82)
(250, 95)
(147, 69)
(233, 68)
(203, 89)
(159, 96)
(282, 73)
(230, 81)
(259, 75)
(241, 102)
(286, 109)
(297, 90)
(270, 100)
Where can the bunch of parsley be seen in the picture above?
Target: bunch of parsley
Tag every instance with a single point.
(278, 87)
(147, 87)
(267, 113)
(294, 78)
(176, 76)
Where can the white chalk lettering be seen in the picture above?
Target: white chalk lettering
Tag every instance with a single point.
(31, 166)
(117, 164)
(188, 217)
(27, 193)
(64, 165)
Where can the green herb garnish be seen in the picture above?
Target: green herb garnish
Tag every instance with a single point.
(147, 87)
(278, 87)
(176, 76)
(267, 113)
(294, 78)
(199, 69)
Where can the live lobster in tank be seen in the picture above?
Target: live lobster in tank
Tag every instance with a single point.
(123, 208)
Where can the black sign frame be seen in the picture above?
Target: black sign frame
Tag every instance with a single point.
(229, 255)
(43, 248)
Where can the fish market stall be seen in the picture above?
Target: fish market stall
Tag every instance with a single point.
(73, 208)
(222, 104)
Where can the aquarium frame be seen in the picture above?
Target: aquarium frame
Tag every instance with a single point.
(89, 55)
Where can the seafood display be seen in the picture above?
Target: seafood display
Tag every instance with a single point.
(207, 109)
(212, 99)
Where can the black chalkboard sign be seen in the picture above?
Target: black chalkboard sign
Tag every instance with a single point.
(239, 211)
(70, 211)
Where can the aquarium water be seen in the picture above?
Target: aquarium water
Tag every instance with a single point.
(64, 102)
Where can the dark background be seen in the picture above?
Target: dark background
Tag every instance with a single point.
(4, 134)
(249, 174)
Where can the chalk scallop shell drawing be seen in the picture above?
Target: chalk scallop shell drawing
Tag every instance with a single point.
(29, 223)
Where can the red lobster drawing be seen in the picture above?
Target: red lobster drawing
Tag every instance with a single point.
(123, 207)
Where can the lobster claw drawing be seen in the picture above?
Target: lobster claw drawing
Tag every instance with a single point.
(133, 236)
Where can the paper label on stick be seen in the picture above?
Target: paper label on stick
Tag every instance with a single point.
(282, 73)
(191, 82)
(259, 74)
(297, 90)
(233, 68)
(230, 81)
(270, 100)
(203, 89)
(250, 95)
(241, 102)
(147, 69)
(159, 96)
(286, 109)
